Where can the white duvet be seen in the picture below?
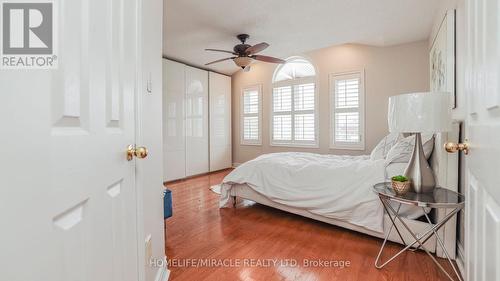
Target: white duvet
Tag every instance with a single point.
(338, 187)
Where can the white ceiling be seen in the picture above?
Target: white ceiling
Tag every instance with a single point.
(290, 26)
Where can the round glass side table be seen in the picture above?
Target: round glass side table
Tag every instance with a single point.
(440, 198)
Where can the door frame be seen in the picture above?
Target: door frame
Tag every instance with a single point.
(148, 72)
(141, 248)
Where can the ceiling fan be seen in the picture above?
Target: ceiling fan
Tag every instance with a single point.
(245, 54)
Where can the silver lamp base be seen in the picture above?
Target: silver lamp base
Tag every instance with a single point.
(419, 171)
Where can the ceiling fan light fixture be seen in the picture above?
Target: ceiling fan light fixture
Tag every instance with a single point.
(243, 61)
(245, 54)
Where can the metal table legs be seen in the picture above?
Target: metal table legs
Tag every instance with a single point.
(418, 239)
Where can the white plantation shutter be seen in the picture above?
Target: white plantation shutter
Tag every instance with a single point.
(251, 102)
(250, 128)
(347, 93)
(251, 115)
(304, 127)
(282, 117)
(347, 127)
(294, 121)
(304, 97)
(282, 125)
(282, 99)
(348, 110)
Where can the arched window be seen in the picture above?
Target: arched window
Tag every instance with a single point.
(294, 68)
(294, 108)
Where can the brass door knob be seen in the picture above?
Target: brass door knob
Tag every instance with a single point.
(452, 147)
(139, 152)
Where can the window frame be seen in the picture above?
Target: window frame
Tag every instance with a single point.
(243, 141)
(291, 83)
(361, 109)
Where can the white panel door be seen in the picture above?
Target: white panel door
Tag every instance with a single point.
(483, 128)
(196, 121)
(220, 121)
(68, 199)
(174, 134)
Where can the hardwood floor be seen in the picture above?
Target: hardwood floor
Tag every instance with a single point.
(255, 233)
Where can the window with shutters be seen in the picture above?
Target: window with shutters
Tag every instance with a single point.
(294, 108)
(251, 115)
(348, 111)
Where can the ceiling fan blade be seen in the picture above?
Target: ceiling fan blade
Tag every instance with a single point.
(217, 50)
(256, 48)
(216, 61)
(268, 59)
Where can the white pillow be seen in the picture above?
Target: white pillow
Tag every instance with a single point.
(401, 152)
(380, 151)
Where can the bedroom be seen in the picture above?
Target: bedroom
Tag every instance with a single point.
(250, 140)
(299, 106)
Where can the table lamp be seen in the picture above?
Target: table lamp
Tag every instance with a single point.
(428, 112)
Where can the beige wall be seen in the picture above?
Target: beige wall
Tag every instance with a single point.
(388, 71)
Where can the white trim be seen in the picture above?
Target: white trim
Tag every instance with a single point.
(295, 145)
(460, 260)
(362, 111)
(258, 142)
(139, 188)
(163, 273)
(292, 82)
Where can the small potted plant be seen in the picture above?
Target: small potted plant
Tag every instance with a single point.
(400, 184)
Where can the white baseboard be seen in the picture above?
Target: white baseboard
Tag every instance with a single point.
(163, 273)
(461, 260)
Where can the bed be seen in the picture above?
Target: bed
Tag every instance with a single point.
(335, 190)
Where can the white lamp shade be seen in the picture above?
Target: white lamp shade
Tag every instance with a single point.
(428, 112)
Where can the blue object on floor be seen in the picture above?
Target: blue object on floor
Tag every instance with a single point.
(167, 203)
